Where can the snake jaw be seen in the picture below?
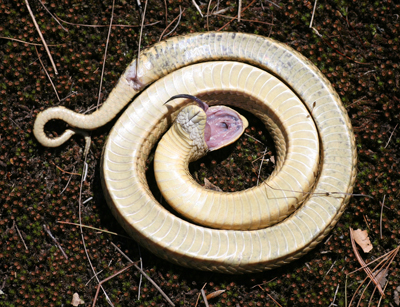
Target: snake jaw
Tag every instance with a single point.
(225, 126)
(218, 127)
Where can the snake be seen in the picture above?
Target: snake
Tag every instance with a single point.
(253, 230)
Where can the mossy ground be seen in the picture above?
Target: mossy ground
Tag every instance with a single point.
(358, 52)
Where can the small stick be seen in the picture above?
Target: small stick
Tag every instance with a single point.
(22, 239)
(41, 36)
(321, 193)
(69, 180)
(21, 41)
(390, 137)
(337, 51)
(166, 28)
(81, 231)
(46, 228)
(239, 10)
(261, 164)
(166, 12)
(208, 14)
(97, 274)
(337, 288)
(366, 222)
(105, 54)
(197, 8)
(198, 296)
(252, 137)
(330, 268)
(362, 262)
(53, 16)
(141, 276)
(313, 12)
(380, 220)
(274, 300)
(87, 200)
(103, 26)
(274, 4)
(144, 273)
(47, 74)
(140, 37)
(204, 297)
(229, 22)
(248, 20)
(107, 279)
(51, 162)
(94, 228)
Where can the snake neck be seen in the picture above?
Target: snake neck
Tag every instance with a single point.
(188, 131)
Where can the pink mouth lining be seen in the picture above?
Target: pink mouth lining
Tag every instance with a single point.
(223, 127)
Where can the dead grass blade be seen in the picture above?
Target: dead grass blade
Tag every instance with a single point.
(166, 28)
(144, 274)
(107, 279)
(363, 264)
(377, 275)
(41, 37)
(105, 54)
(242, 11)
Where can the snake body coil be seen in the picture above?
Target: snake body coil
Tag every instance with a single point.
(291, 234)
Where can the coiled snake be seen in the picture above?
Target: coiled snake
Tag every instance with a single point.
(297, 219)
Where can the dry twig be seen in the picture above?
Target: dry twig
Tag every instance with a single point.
(204, 297)
(198, 296)
(94, 228)
(53, 16)
(247, 20)
(313, 12)
(105, 53)
(239, 11)
(140, 37)
(107, 279)
(380, 219)
(20, 236)
(197, 8)
(24, 42)
(390, 137)
(363, 264)
(46, 228)
(144, 274)
(229, 22)
(81, 231)
(166, 28)
(103, 26)
(51, 162)
(47, 74)
(42, 38)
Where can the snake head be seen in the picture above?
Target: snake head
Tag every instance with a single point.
(210, 128)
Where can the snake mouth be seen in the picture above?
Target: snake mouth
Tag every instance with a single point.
(223, 127)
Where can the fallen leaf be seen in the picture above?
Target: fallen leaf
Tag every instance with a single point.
(397, 296)
(76, 300)
(214, 294)
(361, 237)
(208, 185)
(381, 277)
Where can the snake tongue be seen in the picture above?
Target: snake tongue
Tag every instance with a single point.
(224, 126)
